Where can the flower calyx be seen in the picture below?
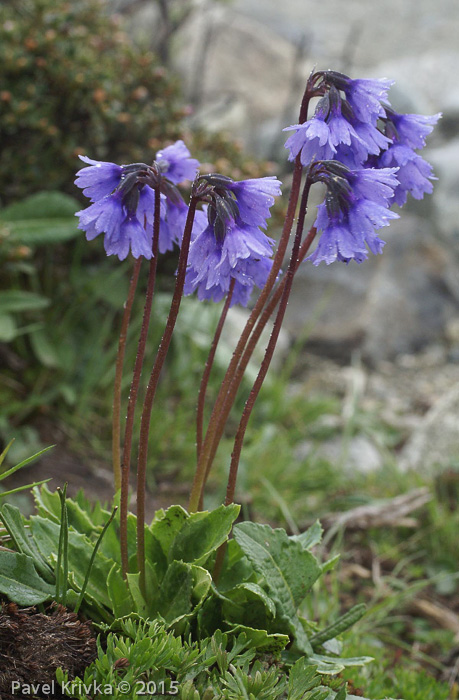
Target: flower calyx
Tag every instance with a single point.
(222, 206)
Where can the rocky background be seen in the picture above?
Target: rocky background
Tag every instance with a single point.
(243, 65)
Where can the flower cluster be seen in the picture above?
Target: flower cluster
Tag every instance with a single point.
(408, 132)
(355, 143)
(123, 201)
(354, 125)
(232, 246)
(357, 202)
(227, 240)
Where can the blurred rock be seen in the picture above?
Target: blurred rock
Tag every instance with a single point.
(394, 303)
(435, 443)
(423, 82)
(366, 34)
(244, 67)
(234, 325)
(445, 160)
(236, 73)
(358, 454)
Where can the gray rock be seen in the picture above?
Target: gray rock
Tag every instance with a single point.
(445, 160)
(243, 71)
(235, 70)
(363, 34)
(435, 443)
(358, 454)
(394, 303)
(234, 325)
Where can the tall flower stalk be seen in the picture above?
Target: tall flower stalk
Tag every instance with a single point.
(134, 390)
(208, 368)
(153, 385)
(225, 397)
(354, 144)
(116, 418)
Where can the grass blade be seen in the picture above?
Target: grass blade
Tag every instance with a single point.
(91, 562)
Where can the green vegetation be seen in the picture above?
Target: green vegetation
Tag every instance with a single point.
(145, 657)
(284, 619)
(73, 83)
(69, 375)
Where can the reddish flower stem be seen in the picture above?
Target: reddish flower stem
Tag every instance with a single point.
(208, 369)
(152, 386)
(116, 420)
(215, 422)
(206, 450)
(285, 288)
(134, 390)
(250, 347)
(271, 346)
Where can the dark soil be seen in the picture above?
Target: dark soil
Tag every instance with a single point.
(63, 464)
(33, 645)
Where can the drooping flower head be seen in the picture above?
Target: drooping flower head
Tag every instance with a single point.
(123, 201)
(232, 245)
(176, 164)
(345, 118)
(355, 205)
(367, 152)
(405, 133)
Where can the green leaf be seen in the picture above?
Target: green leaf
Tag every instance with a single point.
(139, 603)
(236, 568)
(15, 300)
(154, 555)
(83, 516)
(43, 218)
(202, 582)
(8, 328)
(26, 487)
(93, 557)
(343, 623)
(41, 205)
(311, 537)
(261, 640)
(302, 679)
(43, 349)
(203, 533)
(248, 604)
(341, 694)
(209, 617)
(86, 518)
(289, 571)
(80, 549)
(24, 462)
(330, 564)
(5, 452)
(47, 503)
(256, 592)
(43, 231)
(20, 582)
(167, 524)
(174, 595)
(335, 664)
(14, 524)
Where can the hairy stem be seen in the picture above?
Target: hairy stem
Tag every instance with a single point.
(213, 431)
(152, 386)
(206, 451)
(250, 347)
(208, 369)
(281, 294)
(116, 421)
(216, 421)
(134, 390)
(293, 265)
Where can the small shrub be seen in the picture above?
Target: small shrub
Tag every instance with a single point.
(73, 83)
